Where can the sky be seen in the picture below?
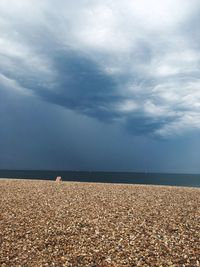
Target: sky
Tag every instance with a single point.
(100, 85)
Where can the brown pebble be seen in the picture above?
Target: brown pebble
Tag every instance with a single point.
(73, 224)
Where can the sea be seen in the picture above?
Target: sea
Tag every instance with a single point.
(172, 179)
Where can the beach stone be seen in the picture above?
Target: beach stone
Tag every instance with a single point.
(103, 225)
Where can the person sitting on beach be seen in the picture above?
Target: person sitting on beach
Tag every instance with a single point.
(58, 179)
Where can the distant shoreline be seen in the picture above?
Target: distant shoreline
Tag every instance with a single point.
(96, 182)
(184, 180)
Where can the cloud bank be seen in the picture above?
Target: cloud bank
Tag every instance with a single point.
(134, 63)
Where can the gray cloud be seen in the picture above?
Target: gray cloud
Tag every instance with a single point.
(129, 63)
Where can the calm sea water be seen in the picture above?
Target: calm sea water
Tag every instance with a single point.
(108, 177)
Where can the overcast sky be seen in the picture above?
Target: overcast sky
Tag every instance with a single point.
(100, 85)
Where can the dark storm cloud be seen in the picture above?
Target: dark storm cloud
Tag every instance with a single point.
(81, 86)
(113, 61)
(100, 85)
(140, 125)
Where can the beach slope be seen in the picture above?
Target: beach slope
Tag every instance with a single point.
(47, 223)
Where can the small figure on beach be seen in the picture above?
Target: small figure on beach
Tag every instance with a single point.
(58, 179)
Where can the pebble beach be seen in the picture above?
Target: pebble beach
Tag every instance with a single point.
(48, 223)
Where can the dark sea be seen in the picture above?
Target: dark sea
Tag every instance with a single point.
(192, 180)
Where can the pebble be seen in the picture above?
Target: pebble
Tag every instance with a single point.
(45, 223)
